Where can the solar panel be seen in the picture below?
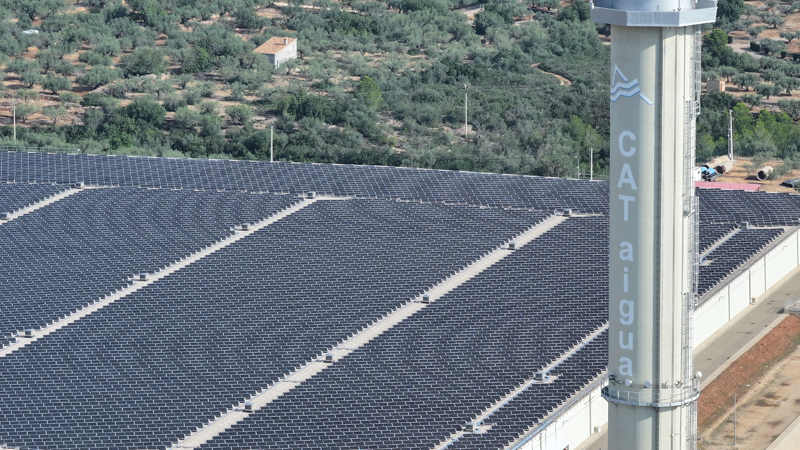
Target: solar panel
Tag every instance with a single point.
(731, 254)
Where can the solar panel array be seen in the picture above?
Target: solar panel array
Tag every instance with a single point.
(766, 209)
(77, 250)
(330, 179)
(732, 253)
(153, 366)
(16, 196)
(425, 378)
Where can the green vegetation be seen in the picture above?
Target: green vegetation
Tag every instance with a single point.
(767, 82)
(377, 82)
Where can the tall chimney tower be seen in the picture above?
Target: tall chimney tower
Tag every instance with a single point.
(655, 99)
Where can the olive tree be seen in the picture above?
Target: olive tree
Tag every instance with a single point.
(55, 113)
(55, 83)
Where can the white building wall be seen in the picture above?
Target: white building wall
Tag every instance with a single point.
(581, 420)
(711, 316)
(290, 52)
(738, 294)
(781, 260)
(764, 273)
(577, 424)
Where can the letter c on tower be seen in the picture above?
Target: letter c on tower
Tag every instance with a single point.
(622, 150)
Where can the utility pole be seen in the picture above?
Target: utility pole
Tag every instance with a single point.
(730, 135)
(466, 90)
(271, 130)
(14, 115)
(578, 162)
(591, 164)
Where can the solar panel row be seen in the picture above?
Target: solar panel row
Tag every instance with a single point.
(153, 366)
(731, 254)
(16, 196)
(469, 188)
(422, 380)
(711, 233)
(75, 251)
(717, 205)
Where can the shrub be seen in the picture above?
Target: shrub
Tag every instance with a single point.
(26, 110)
(143, 61)
(206, 89)
(145, 109)
(55, 113)
(98, 99)
(97, 76)
(69, 97)
(196, 60)
(192, 96)
(208, 107)
(239, 114)
(173, 101)
(118, 90)
(95, 59)
(182, 80)
(246, 17)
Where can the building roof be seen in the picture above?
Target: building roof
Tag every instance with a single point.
(274, 45)
(735, 186)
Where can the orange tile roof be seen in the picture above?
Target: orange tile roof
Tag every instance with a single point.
(273, 45)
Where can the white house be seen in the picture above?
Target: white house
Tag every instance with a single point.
(278, 49)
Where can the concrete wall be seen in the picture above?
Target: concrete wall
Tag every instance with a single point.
(762, 274)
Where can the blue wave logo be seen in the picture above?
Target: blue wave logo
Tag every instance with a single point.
(625, 88)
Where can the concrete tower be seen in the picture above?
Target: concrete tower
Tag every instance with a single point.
(655, 85)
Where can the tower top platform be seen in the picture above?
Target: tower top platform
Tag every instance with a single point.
(654, 13)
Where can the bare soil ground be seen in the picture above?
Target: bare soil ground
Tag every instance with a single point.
(772, 369)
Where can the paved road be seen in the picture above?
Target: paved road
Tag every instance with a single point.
(728, 343)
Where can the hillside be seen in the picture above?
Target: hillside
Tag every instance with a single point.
(374, 83)
(754, 49)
